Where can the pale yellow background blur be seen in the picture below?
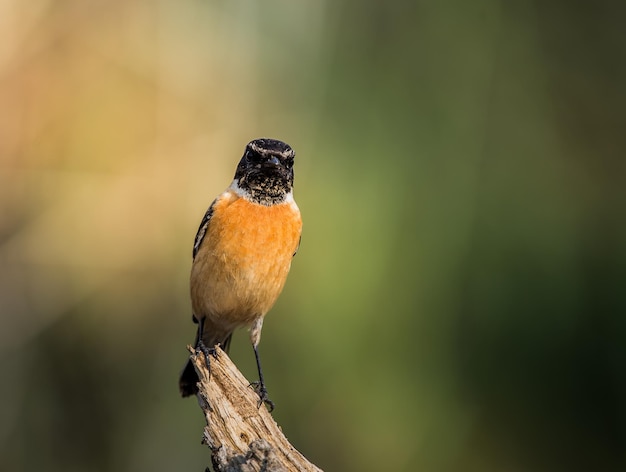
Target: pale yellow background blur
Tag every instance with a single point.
(457, 302)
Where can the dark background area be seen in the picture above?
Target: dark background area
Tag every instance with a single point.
(457, 303)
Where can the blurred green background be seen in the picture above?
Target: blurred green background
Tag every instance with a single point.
(457, 303)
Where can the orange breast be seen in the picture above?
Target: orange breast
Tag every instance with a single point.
(244, 260)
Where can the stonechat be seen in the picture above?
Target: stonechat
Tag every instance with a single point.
(242, 254)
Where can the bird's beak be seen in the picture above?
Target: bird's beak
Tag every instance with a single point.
(272, 162)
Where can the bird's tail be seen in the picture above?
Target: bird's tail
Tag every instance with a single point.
(188, 382)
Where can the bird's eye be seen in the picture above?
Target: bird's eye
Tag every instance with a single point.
(253, 156)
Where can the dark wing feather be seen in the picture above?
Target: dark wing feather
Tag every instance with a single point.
(204, 225)
(297, 247)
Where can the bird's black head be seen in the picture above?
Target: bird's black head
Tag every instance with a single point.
(265, 171)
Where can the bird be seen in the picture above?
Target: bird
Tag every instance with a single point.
(242, 254)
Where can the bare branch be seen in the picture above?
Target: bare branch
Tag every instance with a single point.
(242, 437)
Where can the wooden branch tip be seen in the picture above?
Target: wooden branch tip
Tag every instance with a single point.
(242, 436)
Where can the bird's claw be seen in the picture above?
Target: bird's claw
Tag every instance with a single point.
(261, 391)
(208, 353)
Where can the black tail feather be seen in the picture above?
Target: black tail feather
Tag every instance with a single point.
(188, 377)
(188, 380)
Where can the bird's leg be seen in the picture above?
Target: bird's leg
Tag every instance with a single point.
(259, 387)
(201, 347)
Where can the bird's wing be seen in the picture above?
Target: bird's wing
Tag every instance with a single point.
(204, 225)
(297, 247)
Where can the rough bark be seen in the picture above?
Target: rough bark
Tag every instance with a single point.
(242, 436)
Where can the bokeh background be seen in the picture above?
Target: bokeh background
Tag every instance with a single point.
(457, 303)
